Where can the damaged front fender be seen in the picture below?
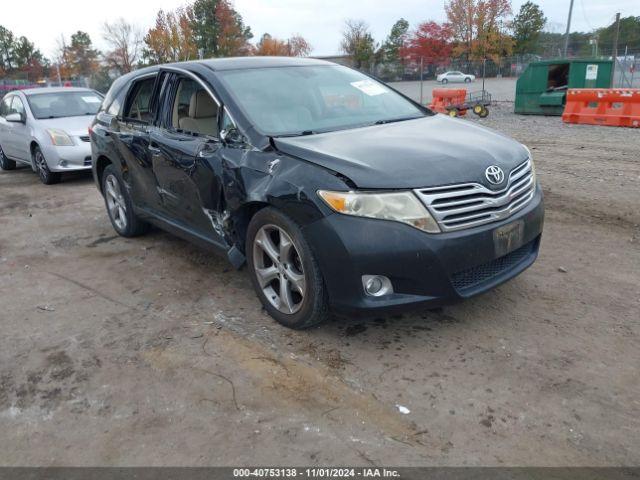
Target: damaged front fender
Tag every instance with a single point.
(252, 179)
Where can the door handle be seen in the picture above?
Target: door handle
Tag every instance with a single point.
(153, 148)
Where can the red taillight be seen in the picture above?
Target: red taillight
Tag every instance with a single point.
(90, 129)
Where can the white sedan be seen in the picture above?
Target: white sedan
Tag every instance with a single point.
(46, 128)
(455, 76)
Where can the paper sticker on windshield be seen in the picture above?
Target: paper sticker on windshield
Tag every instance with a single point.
(369, 87)
(92, 99)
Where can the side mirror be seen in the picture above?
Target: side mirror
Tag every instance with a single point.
(231, 136)
(15, 118)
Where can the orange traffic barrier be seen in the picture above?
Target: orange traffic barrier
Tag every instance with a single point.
(615, 107)
(446, 99)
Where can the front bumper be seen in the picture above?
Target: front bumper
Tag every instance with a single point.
(68, 159)
(426, 270)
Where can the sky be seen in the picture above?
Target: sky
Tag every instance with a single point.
(319, 21)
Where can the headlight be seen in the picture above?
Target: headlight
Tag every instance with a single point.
(533, 165)
(60, 137)
(398, 206)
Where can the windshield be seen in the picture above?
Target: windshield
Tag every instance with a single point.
(64, 104)
(314, 99)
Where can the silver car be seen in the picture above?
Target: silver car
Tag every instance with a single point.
(47, 128)
(455, 77)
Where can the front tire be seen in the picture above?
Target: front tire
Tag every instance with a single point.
(5, 163)
(284, 271)
(445, 81)
(119, 206)
(46, 176)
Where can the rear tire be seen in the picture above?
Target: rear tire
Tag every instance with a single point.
(284, 271)
(484, 113)
(5, 163)
(467, 80)
(46, 176)
(119, 206)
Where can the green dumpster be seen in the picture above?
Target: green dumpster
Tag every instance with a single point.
(542, 87)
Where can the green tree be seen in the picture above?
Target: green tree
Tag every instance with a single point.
(395, 41)
(19, 55)
(358, 43)
(25, 52)
(218, 29)
(527, 25)
(82, 57)
(7, 44)
(629, 35)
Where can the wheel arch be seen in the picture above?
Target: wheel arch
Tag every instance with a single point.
(101, 164)
(242, 217)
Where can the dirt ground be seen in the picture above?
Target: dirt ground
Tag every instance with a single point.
(150, 351)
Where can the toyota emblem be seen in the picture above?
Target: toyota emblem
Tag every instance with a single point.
(494, 174)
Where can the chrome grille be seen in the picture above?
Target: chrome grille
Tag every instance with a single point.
(468, 205)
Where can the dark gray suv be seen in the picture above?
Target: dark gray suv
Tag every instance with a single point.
(338, 192)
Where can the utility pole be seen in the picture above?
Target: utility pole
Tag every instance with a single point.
(615, 50)
(421, 78)
(566, 34)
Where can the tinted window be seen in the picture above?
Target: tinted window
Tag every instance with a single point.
(64, 104)
(193, 109)
(291, 100)
(138, 104)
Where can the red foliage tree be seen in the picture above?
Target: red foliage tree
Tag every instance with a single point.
(431, 41)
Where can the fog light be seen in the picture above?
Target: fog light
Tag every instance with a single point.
(62, 163)
(376, 285)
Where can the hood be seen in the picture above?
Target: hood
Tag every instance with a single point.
(74, 126)
(425, 152)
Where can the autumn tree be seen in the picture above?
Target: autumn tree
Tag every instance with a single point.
(479, 27)
(62, 62)
(81, 57)
(527, 25)
(431, 41)
(218, 29)
(295, 46)
(171, 39)
(125, 42)
(358, 43)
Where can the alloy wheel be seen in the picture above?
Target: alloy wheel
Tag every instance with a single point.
(41, 165)
(115, 202)
(278, 268)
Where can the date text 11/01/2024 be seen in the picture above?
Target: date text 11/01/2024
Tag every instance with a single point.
(315, 473)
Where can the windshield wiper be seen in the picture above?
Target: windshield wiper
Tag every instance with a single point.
(393, 120)
(297, 134)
